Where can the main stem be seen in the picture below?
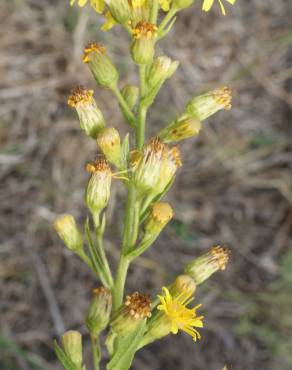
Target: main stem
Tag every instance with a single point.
(132, 206)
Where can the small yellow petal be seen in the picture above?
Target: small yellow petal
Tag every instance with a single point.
(82, 2)
(109, 23)
(98, 5)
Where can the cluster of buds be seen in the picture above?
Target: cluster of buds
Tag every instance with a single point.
(154, 167)
(136, 308)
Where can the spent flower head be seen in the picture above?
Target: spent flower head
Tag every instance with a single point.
(100, 65)
(203, 267)
(90, 116)
(142, 47)
(205, 105)
(135, 309)
(98, 187)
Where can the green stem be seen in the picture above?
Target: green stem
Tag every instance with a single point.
(125, 108)
(95, 348)
(120, 281)
(154, 11)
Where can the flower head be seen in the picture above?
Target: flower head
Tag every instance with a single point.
(90, 116)
(179, 315)
(207, 5)
(135, 309)
(100, 65)
(201, 268)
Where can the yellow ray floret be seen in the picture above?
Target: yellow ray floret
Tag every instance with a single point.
(97, 5)
(181, 317)
(207, 5)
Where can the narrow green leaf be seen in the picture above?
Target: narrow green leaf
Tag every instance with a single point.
(95, 258)
(125, 349)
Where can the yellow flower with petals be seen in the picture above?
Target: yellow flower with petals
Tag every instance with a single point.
(181, 317)
(207, 5)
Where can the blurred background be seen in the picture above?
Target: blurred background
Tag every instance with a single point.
(235, 187)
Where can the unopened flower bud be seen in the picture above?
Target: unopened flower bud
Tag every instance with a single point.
(98, 187)
(67, 230)
(160, 215)
(161, 69)
(201, 268)
(72, 345)
(171, 162)
(120, 10)
(146, 165)
(142, 48)
(110, 144)
(180, 130)
(130, 94)
(90, 116)
(101, 67)
(183, 284)
(137, 307)
(99, 311)
(204, 106)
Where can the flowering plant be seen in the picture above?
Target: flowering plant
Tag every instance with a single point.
(147, 170)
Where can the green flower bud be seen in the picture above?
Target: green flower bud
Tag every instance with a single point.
(204, 106)
(183, 284)
(145, 166)
(130, 94)
(160, 215)
(161, 69)
(67, 230)
(110, 144)
(180, 129)
(201, 268)
(72, 345)
(99, 311)
(142, 48)
(120, 10)
(98, 187)
(137, 307)
(101, 67)
(90, 116)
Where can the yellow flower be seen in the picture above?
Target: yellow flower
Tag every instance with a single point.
(98, 5)
(181, 317)
(207, 5)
